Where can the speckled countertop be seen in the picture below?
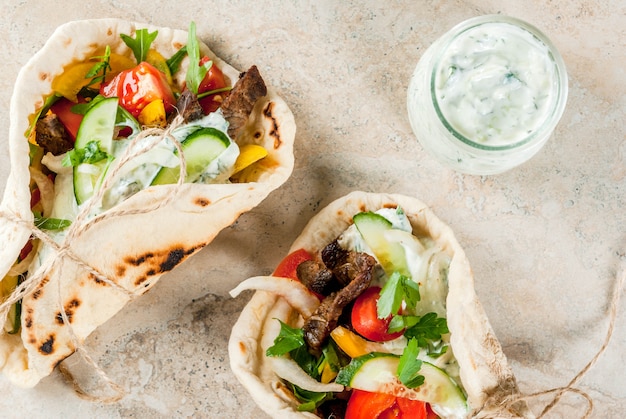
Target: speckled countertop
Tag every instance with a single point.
(546, 240)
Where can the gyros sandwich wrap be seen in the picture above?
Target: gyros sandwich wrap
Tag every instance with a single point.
(466, 371)
(85, 272)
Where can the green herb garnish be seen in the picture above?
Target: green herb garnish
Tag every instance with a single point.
(427, 328)
(140, 44)
(288, 339)
(409, 366)
(173, 63)
(45, 223)
(92, 153)
(99, 70)
(397, 289)
(195, 71)
(310, 400)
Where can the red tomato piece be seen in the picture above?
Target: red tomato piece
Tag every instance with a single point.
(139, 86)
(214, 79)
(287, 267)
(365, 319)
(62, 108)
(367, 405)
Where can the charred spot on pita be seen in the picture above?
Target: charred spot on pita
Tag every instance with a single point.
(202, 202)
(47, 347)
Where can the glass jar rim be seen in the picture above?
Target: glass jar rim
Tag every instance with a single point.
(561, 91)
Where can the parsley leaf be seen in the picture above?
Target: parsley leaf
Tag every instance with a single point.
(195, 71)
(397, 289)
(141, 44)
(92, 153)
(288, 339)
(45, 223)
(409, 366)
(426, 328)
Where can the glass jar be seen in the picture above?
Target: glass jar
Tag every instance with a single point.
(487, 95)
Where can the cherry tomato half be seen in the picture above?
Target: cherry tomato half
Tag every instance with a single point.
(214, 79)
(287, 267)
(139, 86)
(365, 319)
(367, 405)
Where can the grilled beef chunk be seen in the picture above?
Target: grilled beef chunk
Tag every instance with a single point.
(188, 106)
(240, 101)
(317, 328)
(51, 135)
(317, 277)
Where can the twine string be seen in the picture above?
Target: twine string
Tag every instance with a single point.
(148, 139)
(502, 408)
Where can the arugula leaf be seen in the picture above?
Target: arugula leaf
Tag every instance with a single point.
(45, 223)
(141, 44)
(426, 328)
(101, 66)
(92, 153)
(310, 399)
(195, 71)
(409, 366)
(397, 289)
(288, 339)
(173, 63)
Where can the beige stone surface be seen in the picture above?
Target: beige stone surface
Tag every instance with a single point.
(546, 240)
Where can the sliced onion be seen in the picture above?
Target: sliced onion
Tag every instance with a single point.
(294, 292)
(46, 189)
(288, 370)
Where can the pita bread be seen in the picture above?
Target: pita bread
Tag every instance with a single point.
(484, 372)
(133, 250)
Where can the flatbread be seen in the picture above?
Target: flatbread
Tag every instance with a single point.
(131, 250)
(484, 372)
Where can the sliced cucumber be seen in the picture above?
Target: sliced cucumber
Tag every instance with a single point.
(200, 149)
(98, 125)
(372, 228)
(376, 372)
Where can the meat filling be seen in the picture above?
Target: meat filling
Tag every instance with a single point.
(51, 135)
(352, 273)
(240, 101)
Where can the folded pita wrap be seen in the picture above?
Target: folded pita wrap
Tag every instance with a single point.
(484, 374)
(133, 243)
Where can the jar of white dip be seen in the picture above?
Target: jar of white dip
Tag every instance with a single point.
(487, 95)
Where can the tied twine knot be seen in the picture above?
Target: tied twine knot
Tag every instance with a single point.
(499, 407)
(140, 144)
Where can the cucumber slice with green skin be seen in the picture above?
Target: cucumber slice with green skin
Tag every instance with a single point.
(391, 255)
(98, 125)
(376, 372)
(200, 149)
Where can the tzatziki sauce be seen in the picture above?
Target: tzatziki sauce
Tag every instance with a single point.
(493, 83)
(487, 95)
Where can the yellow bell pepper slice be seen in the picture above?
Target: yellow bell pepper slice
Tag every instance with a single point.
(248, 154)
(353, 344)
(74, 76)
(118, 63)
(328, 374)
(153, 115)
